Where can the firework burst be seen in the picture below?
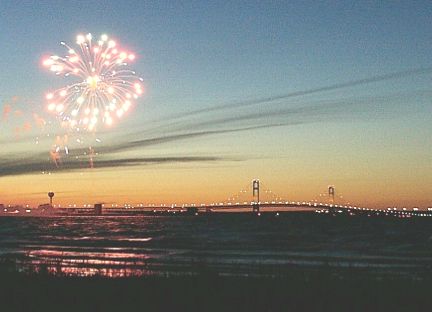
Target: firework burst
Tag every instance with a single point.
(104, 89)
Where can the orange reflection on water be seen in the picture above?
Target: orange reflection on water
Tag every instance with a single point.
(82, 263)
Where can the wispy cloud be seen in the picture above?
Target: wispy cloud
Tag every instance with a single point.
(40, 163)
(275, 115)
(300, 93)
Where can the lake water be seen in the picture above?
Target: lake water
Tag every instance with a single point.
(222, 243)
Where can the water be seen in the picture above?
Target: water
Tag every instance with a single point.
(227, 244)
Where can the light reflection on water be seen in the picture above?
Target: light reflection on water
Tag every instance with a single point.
(96, 238)
(236, 244)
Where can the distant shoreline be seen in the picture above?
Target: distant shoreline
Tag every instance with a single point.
(130, 213)
(275, 212)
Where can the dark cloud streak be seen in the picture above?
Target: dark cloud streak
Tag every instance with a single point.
(38, 164)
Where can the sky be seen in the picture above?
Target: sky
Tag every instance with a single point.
(300, 94)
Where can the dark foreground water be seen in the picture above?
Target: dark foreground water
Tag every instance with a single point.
(224, 244)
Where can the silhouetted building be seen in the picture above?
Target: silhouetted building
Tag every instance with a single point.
(192, 210)
(98, 209)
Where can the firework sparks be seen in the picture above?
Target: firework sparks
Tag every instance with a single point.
(66, 145)
(105, 88)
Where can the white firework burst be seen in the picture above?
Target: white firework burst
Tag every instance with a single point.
(102, 87)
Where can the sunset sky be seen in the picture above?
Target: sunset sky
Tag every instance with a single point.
(299, 94)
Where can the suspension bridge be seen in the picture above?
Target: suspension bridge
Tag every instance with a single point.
(254, 197)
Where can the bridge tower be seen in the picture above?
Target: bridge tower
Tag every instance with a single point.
(331, 193)
(255, 194)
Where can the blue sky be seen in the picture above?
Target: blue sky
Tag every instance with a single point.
(204, 54)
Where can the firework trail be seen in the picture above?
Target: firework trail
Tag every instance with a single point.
(104, 89)
(71, 145)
